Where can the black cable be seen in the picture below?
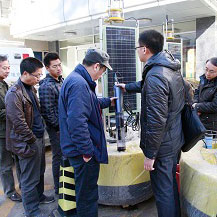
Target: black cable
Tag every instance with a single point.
(133, 118)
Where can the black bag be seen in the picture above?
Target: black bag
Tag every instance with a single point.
(192, 127)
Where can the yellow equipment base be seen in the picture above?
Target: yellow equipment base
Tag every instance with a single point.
(199, 182)
(124, 181)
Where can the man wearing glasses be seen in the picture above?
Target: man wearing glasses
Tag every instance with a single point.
(6, 160)
(162, 101)
(24, 135)
(205, 98)
(49, 94)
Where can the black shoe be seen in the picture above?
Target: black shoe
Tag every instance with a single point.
(16, 197)
(47, 199)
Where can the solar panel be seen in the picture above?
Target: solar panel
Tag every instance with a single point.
(120, 44)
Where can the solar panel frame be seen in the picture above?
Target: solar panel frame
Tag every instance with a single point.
(120, 42)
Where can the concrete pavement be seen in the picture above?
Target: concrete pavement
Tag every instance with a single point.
(11, 209)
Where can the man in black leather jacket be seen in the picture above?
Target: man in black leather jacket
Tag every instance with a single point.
(161, 127)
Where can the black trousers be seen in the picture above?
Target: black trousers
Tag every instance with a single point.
(86, 188)
(6, 169)
(32, 178)
(54, 136)
(164, 185)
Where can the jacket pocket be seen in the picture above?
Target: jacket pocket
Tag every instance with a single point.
(21, 148)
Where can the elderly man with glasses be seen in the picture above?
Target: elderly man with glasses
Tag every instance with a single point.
(205, 98)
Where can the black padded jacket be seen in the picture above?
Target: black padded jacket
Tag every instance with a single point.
(206, 99)
(162, 95)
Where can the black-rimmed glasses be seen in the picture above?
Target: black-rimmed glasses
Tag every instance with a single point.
(138, 47)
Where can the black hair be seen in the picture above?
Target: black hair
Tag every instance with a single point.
(213, 60)
(89, 63)
(30, 65)
(49, 57)
(153, 40)
(3, 58)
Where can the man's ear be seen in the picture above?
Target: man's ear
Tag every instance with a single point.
(144, 49)
(96, 65)
(25, 73)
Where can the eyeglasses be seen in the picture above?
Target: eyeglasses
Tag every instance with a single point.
(6, 67)
(210, 71)
(36, 76)
(138, 47)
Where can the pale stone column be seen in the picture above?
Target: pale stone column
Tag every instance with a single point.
(206, 42)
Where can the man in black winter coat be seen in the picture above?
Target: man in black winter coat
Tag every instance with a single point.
(161, 127)
(205, 97)
(49, 95)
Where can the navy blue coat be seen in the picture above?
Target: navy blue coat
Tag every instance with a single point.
(80, 121)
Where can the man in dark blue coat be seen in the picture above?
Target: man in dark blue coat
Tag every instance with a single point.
(162, 95)
(82, 136)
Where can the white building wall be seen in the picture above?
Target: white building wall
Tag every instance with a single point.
(34, 16)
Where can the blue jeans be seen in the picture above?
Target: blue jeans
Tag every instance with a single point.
(56, 155)
(164, 186)
(32, 178)
(86, 188)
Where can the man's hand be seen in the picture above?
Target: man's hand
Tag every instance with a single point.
(148, 164)
(113, 99)
(194, 105)
(121, 85)
(86, 159)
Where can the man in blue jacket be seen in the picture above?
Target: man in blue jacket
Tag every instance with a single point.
(82, 136)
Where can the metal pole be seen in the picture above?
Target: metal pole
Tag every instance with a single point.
(102, 79)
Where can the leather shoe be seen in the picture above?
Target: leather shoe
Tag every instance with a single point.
(46, 199)
(15, 197)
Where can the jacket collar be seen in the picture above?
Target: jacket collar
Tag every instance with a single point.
(25, 94)
(3, 83)
(49, 77)
(163, 59)
(204, 81)
(81, 70)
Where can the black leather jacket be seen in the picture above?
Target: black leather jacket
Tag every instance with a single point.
(162, 102)
(206, 99)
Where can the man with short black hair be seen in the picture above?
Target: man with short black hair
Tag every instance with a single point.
(6, 159)
(25, 132)
(49, 95)
(81, 129)
(162, 94)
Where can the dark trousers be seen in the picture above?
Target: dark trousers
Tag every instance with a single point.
(6, 169)
(56, 155)
(86, 188)
(32, 178)
(163, 180)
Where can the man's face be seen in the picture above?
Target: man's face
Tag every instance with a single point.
(55, 68)
(211, 71)
(4, 69)
(33, 78)
(98, 71)
(141, 50)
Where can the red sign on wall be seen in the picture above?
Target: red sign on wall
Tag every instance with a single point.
(25, 55)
